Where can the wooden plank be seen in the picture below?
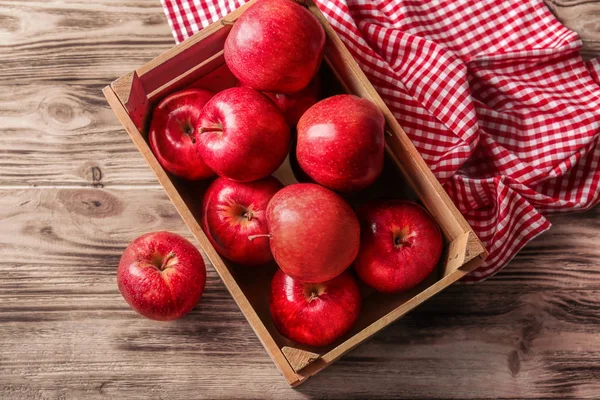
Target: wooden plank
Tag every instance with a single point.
(79, 42)
(299, 358)
(56, 56)
(133, 96)
(189, 77)
(61, 134)
(459, 252)
(37, 222)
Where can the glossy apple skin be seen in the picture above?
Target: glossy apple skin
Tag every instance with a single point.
(294, 105)
(315, 234)
(161, 275)
(233, 211)
(400, 245)
(172, 130)
(245, 135)
(275, 46)
(314, 314)
(341, 142)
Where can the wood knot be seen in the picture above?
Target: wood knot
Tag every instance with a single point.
(96, 173)
(92, 173)
(61, 112)
(9, 23)
(152, 20)
(64, 111)
(514, 363)
(532, 326)
(90, 203)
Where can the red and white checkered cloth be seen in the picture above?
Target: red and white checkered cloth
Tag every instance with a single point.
(493, 93)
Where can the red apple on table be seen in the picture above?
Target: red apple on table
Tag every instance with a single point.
(340, 142)
(275, 46)
(242, 135)
(233, 212)
(295, 104)
(400, 245)
(161, 275)
(315, 314)
(314, 233)
(172, 134)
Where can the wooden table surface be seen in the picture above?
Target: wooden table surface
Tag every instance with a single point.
(74, 192)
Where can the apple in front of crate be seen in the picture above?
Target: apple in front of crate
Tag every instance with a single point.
(314, 314)
(314, 234)
(295, 104)
(233, 213)
(400, 245)
(242, 135)
(161, 275)
(172, 134)
(275, 46)
(340, 142)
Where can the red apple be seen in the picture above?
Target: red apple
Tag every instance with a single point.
(233, 212)
(172, 134)
(400, 245)
(341, 142)
(315, 314)
(161, 275)
(242, 135)
(314, 233)
(294, 105)
(275, 46)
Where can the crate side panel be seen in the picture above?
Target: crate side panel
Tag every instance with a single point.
(133, 96)
(186, 79)
(181, 63)
(187, 54)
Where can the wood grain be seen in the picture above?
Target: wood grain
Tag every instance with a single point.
(74, 191)
(56, 57)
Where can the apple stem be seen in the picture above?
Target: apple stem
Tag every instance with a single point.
(388, 133)
(248, 216)
(402, 240)
(166, 260)
(224, 22)
(313, 295)
(262, 235)
(210, 129)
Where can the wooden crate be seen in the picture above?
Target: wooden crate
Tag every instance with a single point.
(199, 62)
